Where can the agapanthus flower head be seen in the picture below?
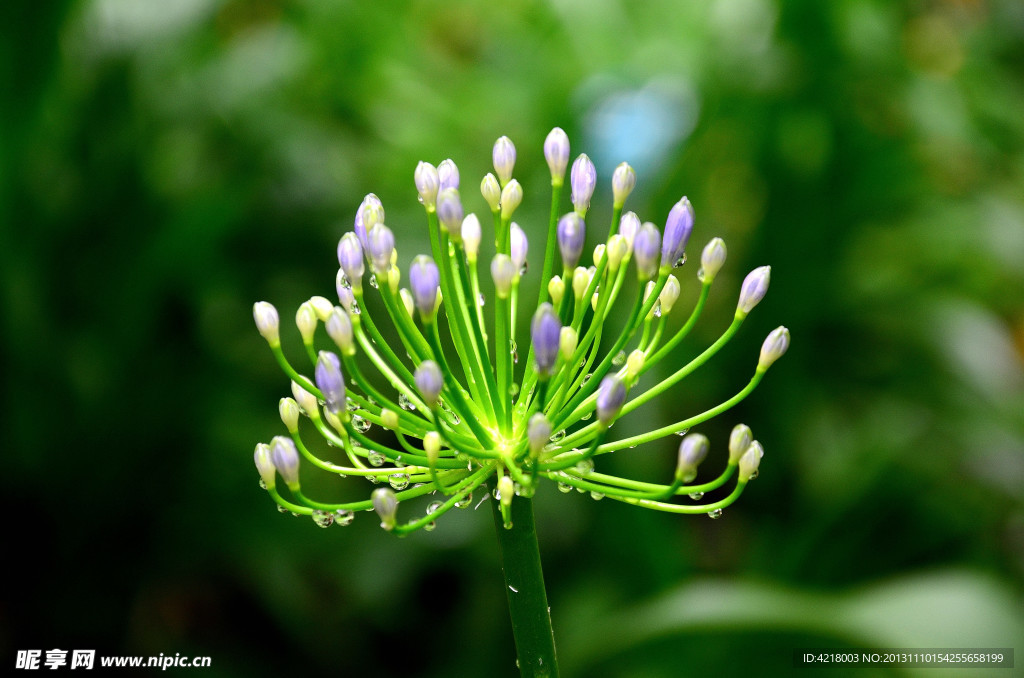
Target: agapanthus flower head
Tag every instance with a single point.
(583, 180)
(572, 235)
(492, 406)
(448, 175)
(556, 153)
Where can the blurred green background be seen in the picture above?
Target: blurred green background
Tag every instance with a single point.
(163, 165)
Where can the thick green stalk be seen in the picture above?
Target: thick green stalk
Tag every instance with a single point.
(524, 586)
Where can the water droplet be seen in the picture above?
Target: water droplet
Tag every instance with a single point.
(399, 481)
(696, 496)
(360, 424)
(373, 282)
(376, 459)
(323, 518)
(355, 310)
(495, 493)
(513, 390)
(345, 284)
(451, 249)
(562, 487)
(558, 436)
(680, 261)
(585, 466)
(700, 275)
(351, 405)
(481, 299)
(405, 403)
(587, 416)
(619, 359)
(465, 501)
(580, 490)
(343, 517)
(715, 515)
(433, 506)
(515, 353)
(431, 526)
(281, 509)
(753, 474)
(586, 378)
(526, 265)
(596, 496)
(294, 514)
(263, 485)
(657, 309)
(683, 432)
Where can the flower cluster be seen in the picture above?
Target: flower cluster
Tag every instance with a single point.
(471, 415)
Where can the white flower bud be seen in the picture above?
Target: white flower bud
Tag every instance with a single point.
(618, 248)
(511, 197)
(635, 363)
(580, 281)
(750, 461)
(669, 294)
(711, 260)
(321, 307)
(739, 441)
(267, 322)
(556, 289)
(506, 490)
(567, 341)
(491, 192)
(289, 411)
(471, 235)
(432, 446)
(305, 318)
(408, 301)
(385, 503)
(774, 347)
(306, 400)
(389, 419)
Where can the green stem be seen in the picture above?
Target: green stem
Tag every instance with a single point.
(524, 586)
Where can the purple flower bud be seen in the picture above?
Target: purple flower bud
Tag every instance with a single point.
(545, 332)
(556, 152)
(370, 212)
(380, 244)
(623, 182)
(265, 465)
(448, 174)
(429, 382)
(330, 381)
(646, 245)
(339, 328)
(350, 257)
(449, 212)
(538, 432)
(385, 503)
(504, 156)
(518, 246)
(678, 228)
(692, 452)
(502, 271)
(774, 347)
(739, 441)
(712, 259)
(286, 460)
(268, 323)
(755, 286)
(572, 235)
(629, 225)
(427, 183)
(611, 395)
(582, 179)
(424, 280)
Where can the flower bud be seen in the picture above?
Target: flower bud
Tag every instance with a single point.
(692, 452)
(599, 253)
(502, 270)
(448, 174)
(678, 228)
(739, 441)
(504, 156)
(580, 281)
(424, 282)
(380, 246)
(750, 461)
(545, 332)
(427, 183)
(330, 381)
(286, 460)
(339, 329)
(538, 432)
(572, 235)
(265, 465)
(429, 382)
(629, 226)
(344, 288)
(385, 503)
(556, 289)
(450, 214)
(623, 181)
(432, 446)
(556, 152)
(371, 212)
(518, 246)
(773, 348)
(267, 322)
(305, 319)
(408, 302)
(755, 285)
(635, 363)
(506, 490)
(389, 419)
(350, 258)
(711, 260)
(645, 250)
(582, 179)
(321, 307)
(567, 342)
(289, 411)
(306, 400)
(617, 249)
(491, 191)
(611, 395)
(669, 294)
(511, 197)
(471, 235)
